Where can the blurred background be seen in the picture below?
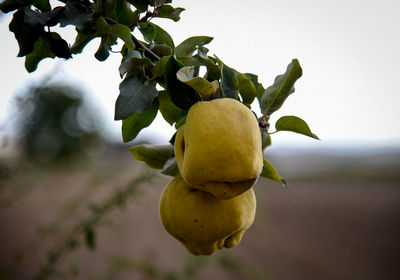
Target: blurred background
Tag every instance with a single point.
(75, 204)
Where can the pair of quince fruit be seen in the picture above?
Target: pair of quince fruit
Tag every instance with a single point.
(219, 155)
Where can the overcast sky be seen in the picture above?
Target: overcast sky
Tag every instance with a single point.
(348, 49)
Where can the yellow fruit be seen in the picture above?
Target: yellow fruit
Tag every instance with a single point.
(218, 149)
(200, 221)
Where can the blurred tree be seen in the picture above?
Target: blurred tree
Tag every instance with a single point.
(55, 122)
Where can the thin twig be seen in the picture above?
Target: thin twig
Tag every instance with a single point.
(149, 52)
(137, 43)
(70, 241)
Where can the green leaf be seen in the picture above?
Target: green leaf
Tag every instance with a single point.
(205, 88)
(181, 122)
(254, 79)
(246, 88)
(134, 63)
(260, 91)
(274, 96)
(134, 97)
(170, 112)
(188, 46)
(148, 31)
(141, 5)
(189, 61)
(163, 37)
(157, 3)
(294, 124)
(213, 71)
(161, 50)
(182, 95)
(167, 11)
(155, 156)
(202, 52)
(270, 172)
(171, 168)
(124, 13)
(229, 83)
(81, 40)
(102, 52)
(132, 125)
(265, 139)
(42, 49)
(159, 69)
(119, 30)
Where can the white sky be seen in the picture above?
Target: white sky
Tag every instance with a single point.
(349, 52)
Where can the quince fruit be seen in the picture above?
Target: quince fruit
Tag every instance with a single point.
(218, 149)
(202, 222)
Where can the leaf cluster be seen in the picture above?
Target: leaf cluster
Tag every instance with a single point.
(157, 75)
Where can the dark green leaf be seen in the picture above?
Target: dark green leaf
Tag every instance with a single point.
(141, 5)
(155, 156)
(148, 31)
(254, 79)
(119, 30)
(35, 18)
(132, 125)
(182, 95)
(213, 71)
(172, 140)
(90, 238)
(169, 111)
(171, 168)
(274, 96)
(134, 64)
(76, 14)
(58, 45)
(265, 139)
(102, 52)
(43, 5)
(190, 61)
(270, 172)
(42, 49)
(159, 68)
(161, 49)
(167, 11)
(163, 37)
(181, 122)
(246, 88)
(202, 52)
(134, 97)
(25, 34)
(229, 83)
(260, 91)
(81, 40)
(188, 46)
(157, 3)
(294, 124)
(205, 88)
(11, 5)
(124, 13)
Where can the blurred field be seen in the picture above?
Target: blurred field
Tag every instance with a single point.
(338, 219)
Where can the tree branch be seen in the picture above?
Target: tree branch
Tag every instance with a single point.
(149, 52)
(137, 43)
